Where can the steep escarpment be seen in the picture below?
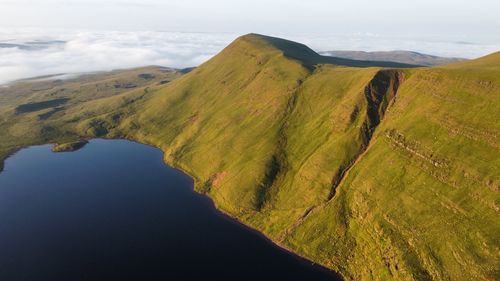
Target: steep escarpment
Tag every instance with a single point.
(379, 94)
(359, 168)
(425, 175)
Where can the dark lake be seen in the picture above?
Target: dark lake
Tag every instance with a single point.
(114, 211)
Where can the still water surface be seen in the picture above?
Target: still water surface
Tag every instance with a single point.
(114, 211)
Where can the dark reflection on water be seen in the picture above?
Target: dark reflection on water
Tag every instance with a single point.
(114, 211)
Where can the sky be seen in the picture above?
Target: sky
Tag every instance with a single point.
(97, 35)
(253, 15)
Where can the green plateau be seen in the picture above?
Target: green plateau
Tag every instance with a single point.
(377, 170)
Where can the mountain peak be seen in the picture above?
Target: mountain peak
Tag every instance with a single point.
(289, 48)
(303, 53)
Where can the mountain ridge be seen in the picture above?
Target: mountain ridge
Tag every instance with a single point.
(309, 57)
(360, 169)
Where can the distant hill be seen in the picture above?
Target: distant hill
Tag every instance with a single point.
(407, 57)
(378, 173)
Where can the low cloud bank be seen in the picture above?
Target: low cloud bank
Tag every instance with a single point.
(28, 53)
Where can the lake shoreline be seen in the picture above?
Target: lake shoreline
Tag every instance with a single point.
(219, 212)
(234, 219)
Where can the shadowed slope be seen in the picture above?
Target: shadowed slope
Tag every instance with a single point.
(310, 58)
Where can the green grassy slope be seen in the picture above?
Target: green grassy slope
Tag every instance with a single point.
(40, 111)
(380, 174)
(422, 202)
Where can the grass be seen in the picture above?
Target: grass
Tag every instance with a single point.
(380, 174)
(69, 146)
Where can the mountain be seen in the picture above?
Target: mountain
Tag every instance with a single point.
(407, 57)
(309, 57)
(378, 173)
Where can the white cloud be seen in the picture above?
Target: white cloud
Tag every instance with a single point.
(96, 51)
(45, 51)
(446, 46)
